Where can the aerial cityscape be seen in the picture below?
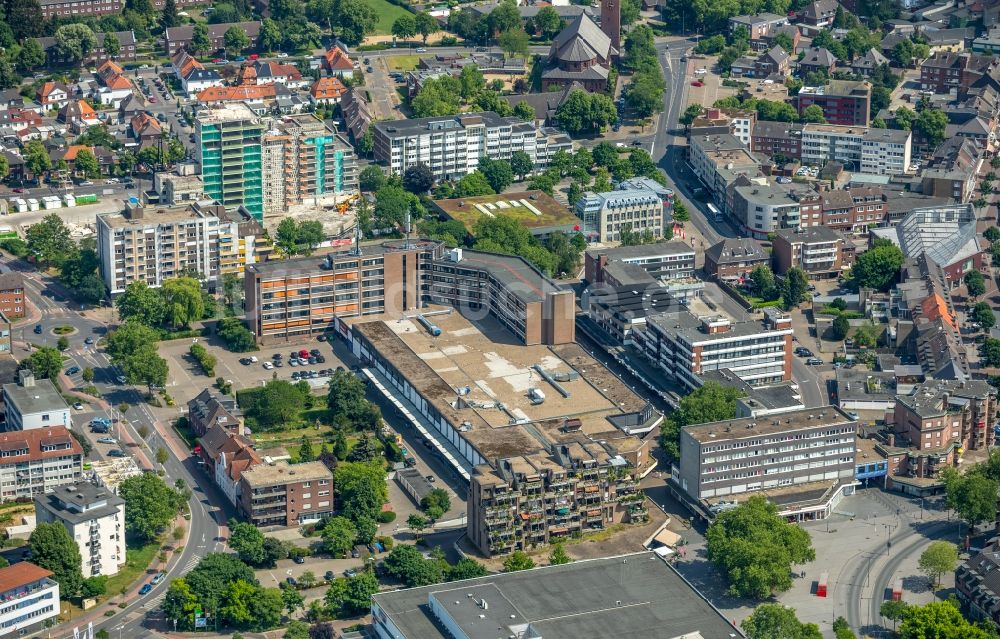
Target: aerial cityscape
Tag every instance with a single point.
(515, 319)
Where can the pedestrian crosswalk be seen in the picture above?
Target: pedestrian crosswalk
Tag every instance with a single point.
(190, 565)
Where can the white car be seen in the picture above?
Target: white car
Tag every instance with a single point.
(282, 55)
(253, 359)
(421, 50)
(112, 181)
(268, 366)
(701, 71)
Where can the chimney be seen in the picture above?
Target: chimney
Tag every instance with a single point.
(26, 378)
(891, 439)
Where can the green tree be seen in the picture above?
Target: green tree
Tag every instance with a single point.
(276, 404)
(711, 402)
(582, 112)
(497, 172)
(690, 114)
(795, 287)
(840, 328)
(426, 24)
(183, 300)
(371, 178)
(938, 558)
(52, 548)
(975, 283)
(112, 46)
(44, 362)
(74, 42)
(31, 55)
(774, 621)
(755, 548)
(36, 159)
(523, 110)
(346, 398)
(991, 352)
(287, 236)
(141, 304)
(291, 598)
(213, 574)
(762, 282)
(938, 620)
(558, 555)
(95, 586)
(361, 487)
(472, 185)
(150, 505)
(404, 562)
(514, 42)
(894, 610)
(417, 522)
(982, 313)
(248, 542)
(235, 40)
(200, 42)
(169, 17)
(353, 20)
(547, 22)
(521, 163)
(418, 179)
(338, 535)
(465, 568)
(813, 114)
(931, 124)
(86, 164)
(972, 496)
(404, 27)
(49, 241)
(516, 561)
(877, 267)
(435, 503)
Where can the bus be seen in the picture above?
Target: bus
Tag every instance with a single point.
(715, 212)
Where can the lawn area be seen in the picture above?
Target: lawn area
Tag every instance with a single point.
(387, 14)
(137, 561)
(402, 62)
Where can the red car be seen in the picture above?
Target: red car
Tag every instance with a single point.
(304, 354)
(217, 60)
(254, 56)
(152, 99)
(18, 190)
(697, 83)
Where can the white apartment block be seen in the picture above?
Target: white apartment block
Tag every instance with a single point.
(608, 215)
(28, 599)
(875, 151)
(153, 246)
(34, 462)
(684, 347)
(31, 404)
(452, 145)
(94, 517)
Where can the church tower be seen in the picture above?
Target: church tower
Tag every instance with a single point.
(611, 23)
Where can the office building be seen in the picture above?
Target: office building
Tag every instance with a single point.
(685, 346)
(153, 245)
(34, 404)
(452, 145)
(282, 494)
(629, 596)
(305, 162)
(762, 209)
(667, 260)
(34, 462)
(819, 251)
(779, 140)
(552, 423)
(608, 217)
(845, 102)
(803, 460)
(718, 160)
(12, 295)
(296, 299)
(94, 517)
(854, 210)
(29, 599)
(228, 148)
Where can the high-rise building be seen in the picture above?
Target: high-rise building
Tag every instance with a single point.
(156, 245)
(305, 161)
(94, 517)
(229, 140)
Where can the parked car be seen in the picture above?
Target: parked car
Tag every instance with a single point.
(105, 440)
(320, 359)
(268, 366)
(72, 370)
(314, 351)
(116, 453)
(853, 415)
(145, 589)
(245, 361)
(299, 559)
(330, 575)
(121, 379)
(291, 581)
(78, 406)
(158, 578)
(350, 572)
(814, 361)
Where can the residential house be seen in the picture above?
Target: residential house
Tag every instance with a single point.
(47, 457)
(773, 62)
(328, 90)
(782, 141)
(227, 455)
(954, 73)
(52, 95)
(335, 61)
(126, 51)
(845, 102)
(12, 299)
(77, 115)
(732, 259)
(36, 599)
(868, 62)
(819, 251)
(357, 113)
(953, 169)
(757, 26)
(145, 129)
(208, 410)
(818, 59)
(193, 76)
(854, 210)
(817, 16)
(94, 517)
(179, 38)
(282, 494)
(32, 404)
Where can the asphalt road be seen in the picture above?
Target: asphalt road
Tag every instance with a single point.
(205, 517)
